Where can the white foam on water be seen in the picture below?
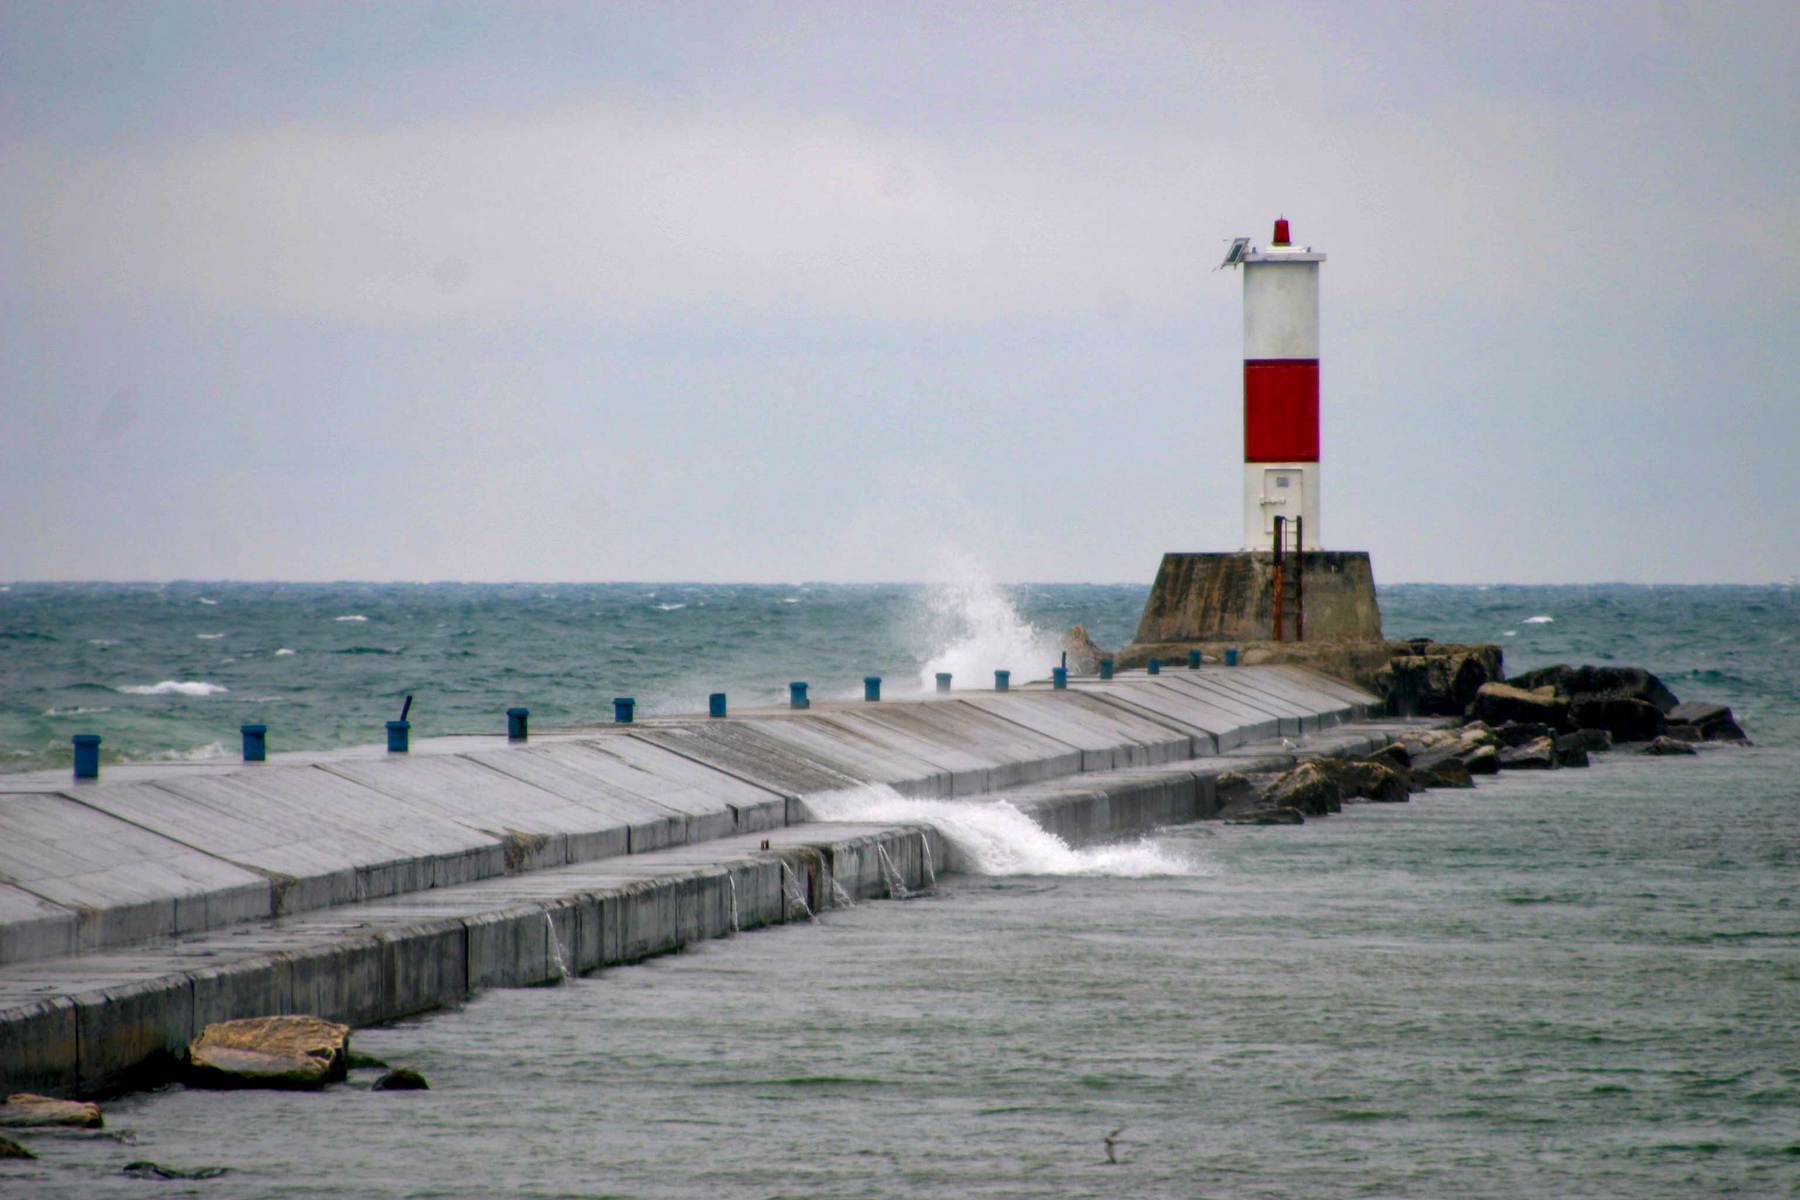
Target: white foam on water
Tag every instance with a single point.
(209, 637)
(1540, 620)
(669, 607)
(175, 687)
(351, 617)
(285, 650)
(1510, 633)
(73, 711)
(103, 641)
(994, 838)
(197, 754)
(977, 630)
(204, 600)
(790, 599)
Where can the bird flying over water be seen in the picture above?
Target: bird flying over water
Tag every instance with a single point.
(1109, 1139)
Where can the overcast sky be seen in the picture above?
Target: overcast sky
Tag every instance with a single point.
(796, 292)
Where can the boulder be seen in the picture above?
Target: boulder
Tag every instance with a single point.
(1519, 732)
(1668, 745)
(1684, 733)
(12, 1149)
(1712, 722)
(1432, 685)
(401, 1079)
(1394, 754)
(1498, 703)
(1234, 789)
(1267, 816)
(1308, 789)
(1484, 760)
(1556, 678)
(1538, 755)
(1571, 750)
(269, 1052)
(1632, 682)
(1449, 773)
(25, 1109)
(1626, 718)
(1084, 655)
(1365, 780)
(1591, 740)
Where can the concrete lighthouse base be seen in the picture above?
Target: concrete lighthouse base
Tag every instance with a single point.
(1205, 600)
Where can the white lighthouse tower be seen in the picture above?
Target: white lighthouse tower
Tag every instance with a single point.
(1281, 390)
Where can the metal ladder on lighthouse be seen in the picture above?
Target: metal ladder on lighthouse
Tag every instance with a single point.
(1287, 543)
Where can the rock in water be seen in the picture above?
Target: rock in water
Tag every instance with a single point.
(24, 1109)
(401, 1079)
(1433, 685)
(12, 1149)
(1267, 816)
(1591, 740)
(1308, 789)
(1449, 773)
(1538, 755)
(1668, 745)
(1631, 682)
(270, 1052)
(1483, 760)
(1627, 719)
(1712, 722)
(1571, 750)
(145, 1169)
(1498, 703)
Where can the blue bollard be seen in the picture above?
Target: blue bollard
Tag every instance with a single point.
(943, 678)
(623, 708)
(1153, 667)
(1231, 656)
(1106, 668)
(871, 687)
(517, 729)
(399, 736)
(87, 755)
(715, 704)
(797, 695)
(256, 742)
(1002, 680)
(1059, 678)
(1193, 660)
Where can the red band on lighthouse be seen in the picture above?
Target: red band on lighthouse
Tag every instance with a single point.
(1281, 410)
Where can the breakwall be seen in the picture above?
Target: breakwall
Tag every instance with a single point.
(364, 887)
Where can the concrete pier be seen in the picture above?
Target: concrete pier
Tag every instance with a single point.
(137, 908)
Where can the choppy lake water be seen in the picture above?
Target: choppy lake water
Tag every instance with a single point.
(1555, 985)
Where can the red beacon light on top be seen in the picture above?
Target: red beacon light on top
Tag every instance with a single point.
(1281, 231)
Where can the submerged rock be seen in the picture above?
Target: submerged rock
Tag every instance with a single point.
(270, 1052)
(1668, 745)
(26, 1109)
(12, 1149)
(1267, 816)
(401, 1079)
(145, 1169)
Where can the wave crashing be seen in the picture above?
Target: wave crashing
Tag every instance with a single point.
(175, 687)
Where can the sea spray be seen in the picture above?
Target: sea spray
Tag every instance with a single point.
(559, 966)
(976, 629)
(896, 886)
(987, 837)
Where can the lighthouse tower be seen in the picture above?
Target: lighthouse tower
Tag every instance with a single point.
(1281, 389)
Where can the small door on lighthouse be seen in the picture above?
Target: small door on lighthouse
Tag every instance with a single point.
(1281, 498)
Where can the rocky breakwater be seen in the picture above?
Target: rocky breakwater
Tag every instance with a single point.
(1543, 720)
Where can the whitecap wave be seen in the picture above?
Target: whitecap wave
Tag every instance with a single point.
(351, 617)
(204, 600)
(209, 637)
(103, 641)
(1540, 620)
(1510, 633)
(669, 607)
(790, 599)
(283, 651)
(994, 838)
(175, 687)
(74, 710)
